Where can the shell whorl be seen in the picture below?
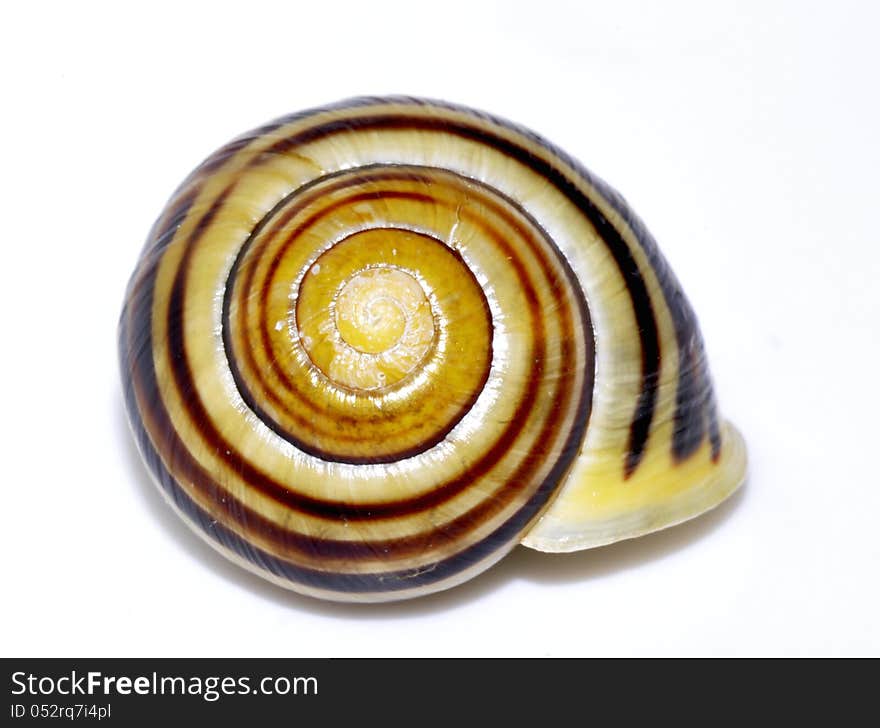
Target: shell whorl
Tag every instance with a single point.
(368, 347)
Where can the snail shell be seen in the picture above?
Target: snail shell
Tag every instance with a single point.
(369, 348)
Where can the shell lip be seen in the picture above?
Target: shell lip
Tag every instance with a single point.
(700, 498)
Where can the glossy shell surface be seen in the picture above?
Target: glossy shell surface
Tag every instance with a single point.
(370, 348)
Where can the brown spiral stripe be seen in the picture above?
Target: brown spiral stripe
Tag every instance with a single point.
(308, 416)
(391, 476)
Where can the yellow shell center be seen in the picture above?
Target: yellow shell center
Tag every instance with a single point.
(365, 317)
(374, 308)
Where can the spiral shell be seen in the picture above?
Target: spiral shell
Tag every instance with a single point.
(370, 348)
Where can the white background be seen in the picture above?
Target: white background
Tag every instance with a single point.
(745, 134)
